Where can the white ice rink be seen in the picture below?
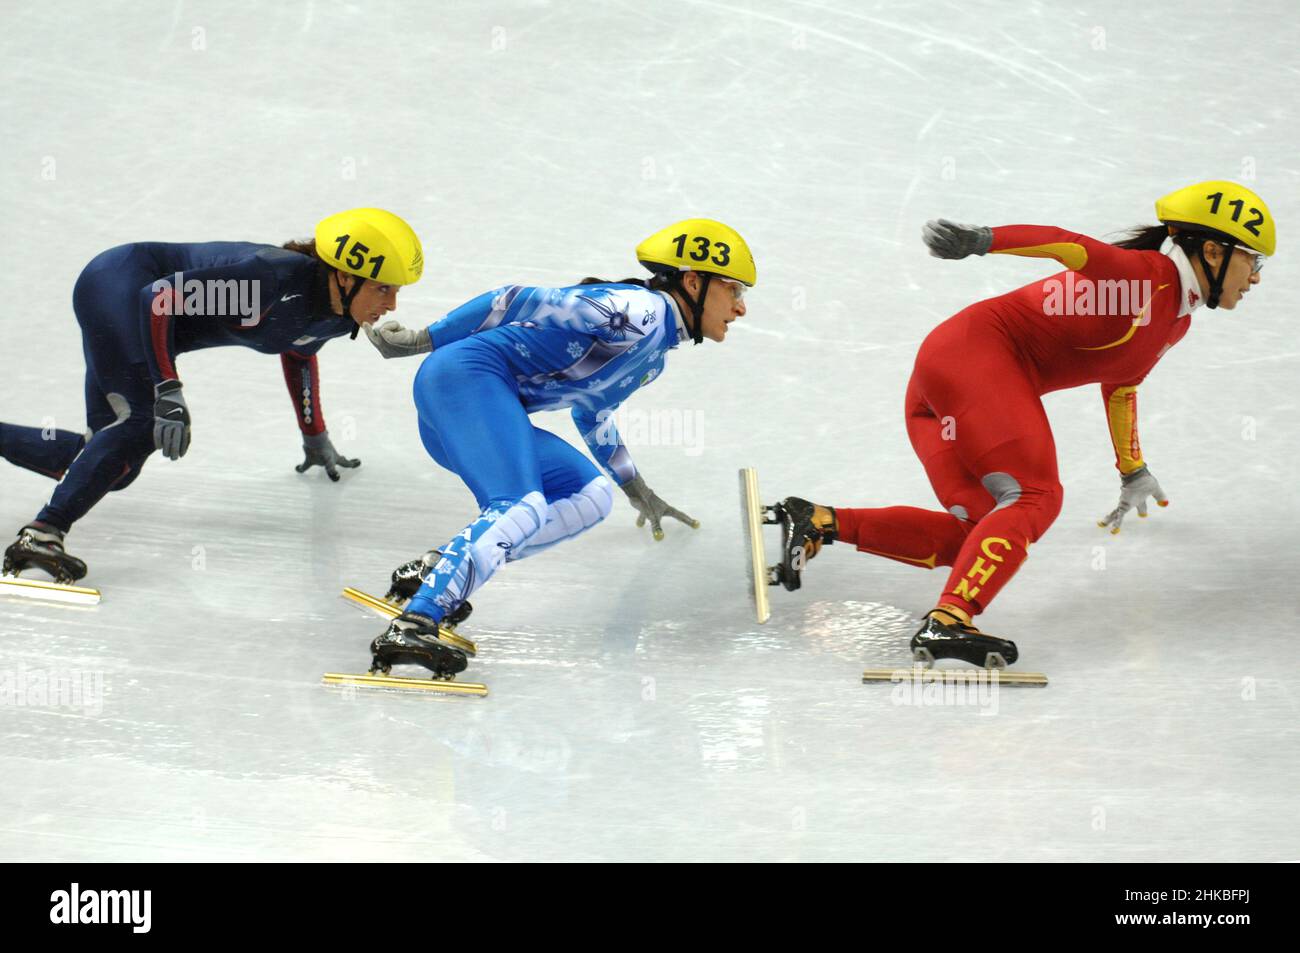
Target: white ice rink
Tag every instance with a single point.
(636, 712)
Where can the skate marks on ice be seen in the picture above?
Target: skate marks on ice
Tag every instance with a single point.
(47, 591)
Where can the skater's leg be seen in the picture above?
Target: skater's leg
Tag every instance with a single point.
(119, 394)
(912, 535)
(42, 450)
(1016, 461)
(578, 495)
(470, 415)
(114, 455)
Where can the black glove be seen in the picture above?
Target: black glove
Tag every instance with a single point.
(947, 239)
(171, 420)
(321, 453)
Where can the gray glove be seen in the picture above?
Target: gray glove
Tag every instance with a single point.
(947, 239)
(171, 420)
(1135, 487)
(650, 507)
(321, 453)
(392, 340)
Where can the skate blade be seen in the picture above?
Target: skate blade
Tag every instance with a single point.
(920, 674)
(410, 684)
(751, 518)
(48, 591)
(386, 609)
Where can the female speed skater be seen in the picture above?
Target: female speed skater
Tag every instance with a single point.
(973, 407)
(517, 350)
(141, 305)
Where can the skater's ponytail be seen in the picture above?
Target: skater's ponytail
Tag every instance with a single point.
(1152, 237)
(307, 248)
(654, 283)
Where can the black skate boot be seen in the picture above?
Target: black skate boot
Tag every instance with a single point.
(407, 579)
(945, 636)
(40, 546)
(805, 527)
(413, 639)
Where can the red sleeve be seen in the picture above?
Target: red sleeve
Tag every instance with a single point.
(158, 307)
(1077, 252)
(302, 375)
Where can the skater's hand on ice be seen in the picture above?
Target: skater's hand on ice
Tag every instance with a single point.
(651, 508)
(321, 453)
(947, 239)
(392, 340)
(1134, 490)
(171, 420)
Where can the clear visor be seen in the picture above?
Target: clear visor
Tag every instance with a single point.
(737, 288)
(1257, 258)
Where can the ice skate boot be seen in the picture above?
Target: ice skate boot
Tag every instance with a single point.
(805, 527)
(40, 546)
(413, 639)
(407, 579)
(944, 635)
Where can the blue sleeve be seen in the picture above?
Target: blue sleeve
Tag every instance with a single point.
(477, 314)
(601, 435)
(160, 302)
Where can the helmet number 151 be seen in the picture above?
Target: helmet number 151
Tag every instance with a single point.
(722, 258)
(357, 256)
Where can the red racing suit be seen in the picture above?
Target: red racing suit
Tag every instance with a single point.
(974, 411)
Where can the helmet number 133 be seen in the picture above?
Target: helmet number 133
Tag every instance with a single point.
(723, 257)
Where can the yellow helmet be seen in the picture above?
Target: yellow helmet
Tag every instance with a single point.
(372, 244)
(699, 244)
(1225, 207)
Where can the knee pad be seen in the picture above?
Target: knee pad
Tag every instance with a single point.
(504, 527)
(1040, 503)
(570, 516)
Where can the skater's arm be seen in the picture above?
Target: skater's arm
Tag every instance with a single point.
(606, 445)
(302, 377)
(1091, 257)
(1121, 417)
(478, 314)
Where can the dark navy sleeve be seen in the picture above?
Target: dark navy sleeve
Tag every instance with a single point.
(160, 304)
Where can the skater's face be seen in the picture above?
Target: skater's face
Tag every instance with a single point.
(1242, 273)
(724, 303)
(372, 302)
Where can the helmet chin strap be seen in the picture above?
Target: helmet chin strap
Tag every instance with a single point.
(346, 298)
(696, 326)
(1216, 281)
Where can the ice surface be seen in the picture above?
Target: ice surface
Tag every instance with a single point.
(636, 713)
